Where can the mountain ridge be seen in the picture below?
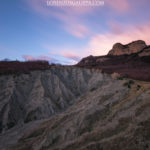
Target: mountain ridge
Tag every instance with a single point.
(125, 62)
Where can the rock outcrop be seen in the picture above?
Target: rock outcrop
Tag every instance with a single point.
(131, 48)
(131, 60)
(145, 52)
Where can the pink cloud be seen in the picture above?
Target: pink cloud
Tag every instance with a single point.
(125, 6)
(116, 27)
(78, 30)
(100, 44)
(69, 16)
(70, 55)
(31, 58)
(28, 58)
(119, 5)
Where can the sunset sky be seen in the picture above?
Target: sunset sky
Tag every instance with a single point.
(31, 30)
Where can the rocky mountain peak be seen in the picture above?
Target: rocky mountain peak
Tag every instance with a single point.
(121, 60)
(133, 47)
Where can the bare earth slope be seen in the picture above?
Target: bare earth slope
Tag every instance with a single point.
(107, 113)
(41, 94)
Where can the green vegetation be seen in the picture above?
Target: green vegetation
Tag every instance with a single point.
(129, 83)
(120, 78)
(138, 87)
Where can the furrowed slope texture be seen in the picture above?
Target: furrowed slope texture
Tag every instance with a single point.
(104, 113)
(41, 94)
(113, 116)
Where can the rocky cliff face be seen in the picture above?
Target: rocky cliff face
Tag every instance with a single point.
(145, 52)
(42, 94)
(103, 112)
(131, 48)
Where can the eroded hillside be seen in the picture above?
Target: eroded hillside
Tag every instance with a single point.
(98, 111)
(41, 94)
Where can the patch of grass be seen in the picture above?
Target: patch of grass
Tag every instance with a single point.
(120, 78)
(138, 87)
(129, 83)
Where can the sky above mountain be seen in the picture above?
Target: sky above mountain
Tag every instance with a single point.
(31, 30)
